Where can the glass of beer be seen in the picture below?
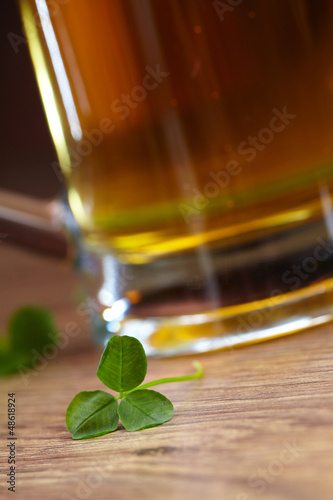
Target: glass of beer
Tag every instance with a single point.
(195, 139)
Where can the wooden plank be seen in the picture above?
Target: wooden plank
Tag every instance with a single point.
(258, 425)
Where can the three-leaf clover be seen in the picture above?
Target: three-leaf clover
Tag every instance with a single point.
(122, 368)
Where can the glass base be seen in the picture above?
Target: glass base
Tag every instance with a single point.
(217, 298)
(220, 329)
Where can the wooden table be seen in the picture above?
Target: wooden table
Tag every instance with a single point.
(258, 425)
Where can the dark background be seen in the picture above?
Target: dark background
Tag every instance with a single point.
(26, 146)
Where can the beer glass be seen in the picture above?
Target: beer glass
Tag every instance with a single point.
(195, 138)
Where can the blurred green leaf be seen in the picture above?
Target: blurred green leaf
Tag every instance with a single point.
(13, 362)
(3, 350)
(30, 330)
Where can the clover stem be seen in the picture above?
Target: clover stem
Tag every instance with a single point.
(184, 378)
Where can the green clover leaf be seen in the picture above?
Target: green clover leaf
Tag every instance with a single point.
(142, 409)
(123, 365)
(91, 414)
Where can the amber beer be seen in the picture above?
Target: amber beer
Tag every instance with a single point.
(196, 143)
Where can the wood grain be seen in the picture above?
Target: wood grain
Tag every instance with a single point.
(257, 426)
